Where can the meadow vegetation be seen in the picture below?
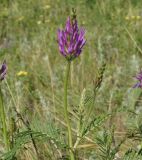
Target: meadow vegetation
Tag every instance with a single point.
(104, 109)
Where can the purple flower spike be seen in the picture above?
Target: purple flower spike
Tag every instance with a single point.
(139, 78)
(3, 71)
(71, 40)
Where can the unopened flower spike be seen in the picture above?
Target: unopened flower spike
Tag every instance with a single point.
(71, 40)
(139, 78)
(3, 71)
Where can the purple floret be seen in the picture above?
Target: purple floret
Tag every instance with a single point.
(139, 78)
(3, 71)
(71, 40)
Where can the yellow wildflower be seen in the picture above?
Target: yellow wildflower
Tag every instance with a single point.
(22, 73)
(138, 17)
(133, 17)
(127, 18)
(47, 7)
(39, 22)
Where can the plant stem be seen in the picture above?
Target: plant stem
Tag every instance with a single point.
(26, 123)
(3, 120)
(66, 111)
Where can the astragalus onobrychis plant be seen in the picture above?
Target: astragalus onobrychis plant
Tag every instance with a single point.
(77, 132)
(71, 41)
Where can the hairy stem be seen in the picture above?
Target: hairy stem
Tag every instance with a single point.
(66, 111)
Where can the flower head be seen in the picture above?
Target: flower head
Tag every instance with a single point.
(138, 17)
(47, 7)
(127, 18)
(71, 40)
(3, 71)
(22, 73)
(139, 78)
(132, 17)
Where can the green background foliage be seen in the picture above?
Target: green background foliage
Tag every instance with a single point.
(28, 42)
